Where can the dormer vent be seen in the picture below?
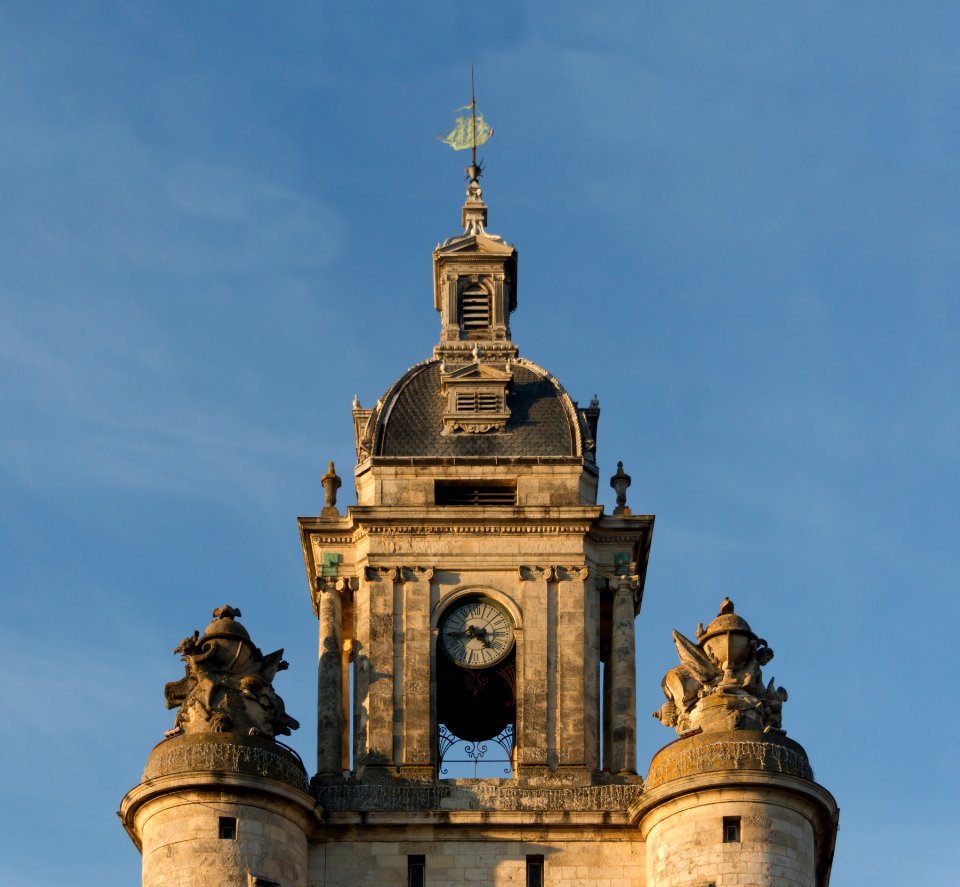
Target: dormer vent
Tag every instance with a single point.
(476, 399)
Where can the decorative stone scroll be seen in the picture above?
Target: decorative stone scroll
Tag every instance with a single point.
(228, 685)
(718, 685)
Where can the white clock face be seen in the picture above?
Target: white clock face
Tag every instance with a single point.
(476, 633)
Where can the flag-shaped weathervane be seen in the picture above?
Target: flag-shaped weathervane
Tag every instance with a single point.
(468, 132)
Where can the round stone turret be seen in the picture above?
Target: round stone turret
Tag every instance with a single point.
(733, 796)
(221, 800)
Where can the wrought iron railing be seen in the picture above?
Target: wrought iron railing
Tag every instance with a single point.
(488, 758)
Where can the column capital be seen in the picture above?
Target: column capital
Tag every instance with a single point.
(572, 574)
(416, 574)
(534, 574)
(629, 585)
(329, 585)
(382, 574)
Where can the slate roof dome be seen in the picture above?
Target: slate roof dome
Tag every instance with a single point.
(544, 421)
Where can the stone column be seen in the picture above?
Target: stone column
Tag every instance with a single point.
(330, 680)
(418, 729)
(607, 693)
(571, 652)
(532, 727)
(623, 683)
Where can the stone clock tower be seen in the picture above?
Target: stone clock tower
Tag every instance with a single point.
(476, 716)
(477, 594)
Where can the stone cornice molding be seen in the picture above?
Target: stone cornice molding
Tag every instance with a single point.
(478, 529)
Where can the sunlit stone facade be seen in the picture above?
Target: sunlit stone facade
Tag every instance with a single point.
(477, 688)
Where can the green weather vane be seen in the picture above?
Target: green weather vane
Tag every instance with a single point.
(468, 132)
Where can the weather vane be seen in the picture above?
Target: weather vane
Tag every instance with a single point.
(468, 132)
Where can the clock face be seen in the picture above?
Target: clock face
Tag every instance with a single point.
(476, 633)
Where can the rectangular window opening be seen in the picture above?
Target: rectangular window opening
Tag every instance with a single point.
(416, 871)
(228, 828)
(731, 829)
(462, 494)
(535, 870)
(264, 882)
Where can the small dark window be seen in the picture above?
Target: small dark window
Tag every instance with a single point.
(228, 828)
(416, 871)
(535, 871)
(264, 882)
(731, 829)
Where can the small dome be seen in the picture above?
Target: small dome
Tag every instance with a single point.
(544, 421)
(225, 625)
(727, 622)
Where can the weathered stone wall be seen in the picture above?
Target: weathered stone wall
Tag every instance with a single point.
(596, 857)
(685, 847)
(182, 847)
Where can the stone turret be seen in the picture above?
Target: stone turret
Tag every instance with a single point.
(732, 797)
(222, 801)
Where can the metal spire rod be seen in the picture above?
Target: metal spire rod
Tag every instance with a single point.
(473, 120)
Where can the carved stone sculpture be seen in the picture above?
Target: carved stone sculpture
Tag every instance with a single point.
(228, 685)
(718, 685)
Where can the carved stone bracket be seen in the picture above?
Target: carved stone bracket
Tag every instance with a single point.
(534, 574)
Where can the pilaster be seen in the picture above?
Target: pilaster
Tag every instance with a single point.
(532, 726)
(373, 675)
(575, 754)
(417, 756)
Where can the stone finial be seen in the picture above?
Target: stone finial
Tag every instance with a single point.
(228, 683)
(620, 481)
(474, 215)
(331, 483)
(718, 684)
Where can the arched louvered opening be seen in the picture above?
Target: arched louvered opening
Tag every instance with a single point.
(474, 309)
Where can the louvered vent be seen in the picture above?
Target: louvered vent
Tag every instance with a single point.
(474, 308)
(478, 402)
(446, 493)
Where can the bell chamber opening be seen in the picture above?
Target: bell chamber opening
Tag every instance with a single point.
(476, 691)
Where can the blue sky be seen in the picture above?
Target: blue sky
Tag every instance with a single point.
(737, 224)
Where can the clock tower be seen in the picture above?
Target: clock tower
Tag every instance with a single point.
(476, 716)
(476, 606)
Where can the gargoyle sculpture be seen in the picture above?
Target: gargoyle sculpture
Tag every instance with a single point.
(718, 685)
(228, 684)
